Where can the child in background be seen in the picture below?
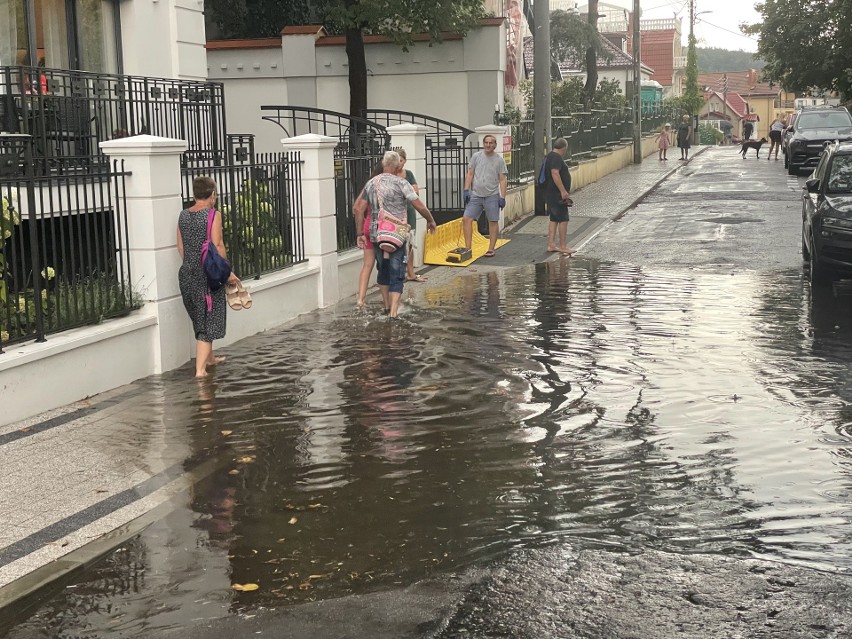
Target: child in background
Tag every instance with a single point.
(664, 141)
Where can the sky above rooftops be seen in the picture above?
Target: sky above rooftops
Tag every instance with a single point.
(720, 28)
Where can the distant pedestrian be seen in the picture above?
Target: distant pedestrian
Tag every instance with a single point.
(664, 141)
(776, 130)
(388, 192)
(208, 322)
(485, 190)
(410, 275)
(684, 133)
(557, 195)
(748, 129)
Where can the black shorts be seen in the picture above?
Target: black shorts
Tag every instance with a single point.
(558, 211)
(775, 136)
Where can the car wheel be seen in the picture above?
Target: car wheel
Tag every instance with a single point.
(786, 161)
(792, 170)
(818, 273)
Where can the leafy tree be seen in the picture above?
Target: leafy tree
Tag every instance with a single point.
(712, 59)
(237, 19)
(806, 44)
(571, 37)
(692, 98)
(591, 56)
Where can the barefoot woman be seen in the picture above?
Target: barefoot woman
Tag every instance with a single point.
(191, 234)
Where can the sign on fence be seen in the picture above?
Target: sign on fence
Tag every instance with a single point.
(507, 148)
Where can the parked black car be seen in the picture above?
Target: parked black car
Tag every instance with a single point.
(787, 134)
(813, 128)
(827, 213)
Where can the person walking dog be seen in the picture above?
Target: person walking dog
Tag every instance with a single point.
(485, 190)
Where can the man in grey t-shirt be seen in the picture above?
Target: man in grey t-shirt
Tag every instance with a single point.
(485, 190)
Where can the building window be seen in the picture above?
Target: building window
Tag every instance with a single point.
(60, 34)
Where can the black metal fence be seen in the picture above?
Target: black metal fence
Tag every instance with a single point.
(68, 113)
(260, 198)
(360, 146)
(63, 247)
(448, 150)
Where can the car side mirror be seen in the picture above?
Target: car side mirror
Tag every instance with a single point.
(812, 185)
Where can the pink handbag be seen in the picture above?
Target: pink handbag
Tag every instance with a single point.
(392, 232)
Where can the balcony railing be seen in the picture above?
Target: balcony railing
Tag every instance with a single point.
(68, 113)
(679, 62)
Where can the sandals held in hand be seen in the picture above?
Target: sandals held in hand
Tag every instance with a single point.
(237, 296)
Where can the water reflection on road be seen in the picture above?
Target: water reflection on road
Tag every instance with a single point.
(594, 403)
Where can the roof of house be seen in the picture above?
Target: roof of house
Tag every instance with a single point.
(742, 82)
(735, 101)
(615, 59)
(658, 52)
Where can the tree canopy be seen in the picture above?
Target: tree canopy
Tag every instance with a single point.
(713, 59)
(806, 44)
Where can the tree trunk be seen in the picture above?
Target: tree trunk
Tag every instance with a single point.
(591, 57)
(357, 72)
(357, 59)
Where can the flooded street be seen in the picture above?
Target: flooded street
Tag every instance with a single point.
(660, 398)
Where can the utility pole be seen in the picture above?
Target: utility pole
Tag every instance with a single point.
(541, 78)
(637, 86)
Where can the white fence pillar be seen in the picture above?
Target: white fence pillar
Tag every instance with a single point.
(153, 196)
(318, 209)
(412, 138)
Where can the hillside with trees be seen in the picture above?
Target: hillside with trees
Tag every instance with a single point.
(711, 60)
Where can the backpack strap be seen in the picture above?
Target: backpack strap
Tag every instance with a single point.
(208, 297)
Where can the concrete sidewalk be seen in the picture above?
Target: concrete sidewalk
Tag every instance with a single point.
(80, 480)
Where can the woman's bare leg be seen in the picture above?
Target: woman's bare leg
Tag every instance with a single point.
(203, 351)
(364, 275)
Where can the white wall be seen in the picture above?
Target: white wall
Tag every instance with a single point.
(458, 80)
(164, 38)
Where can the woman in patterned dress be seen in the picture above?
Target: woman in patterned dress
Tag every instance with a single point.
(191, 234)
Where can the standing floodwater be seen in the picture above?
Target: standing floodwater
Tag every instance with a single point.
(580, 401)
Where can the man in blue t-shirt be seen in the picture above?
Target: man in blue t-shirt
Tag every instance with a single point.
(557, 188)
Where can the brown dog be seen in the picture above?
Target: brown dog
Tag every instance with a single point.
(752, 144)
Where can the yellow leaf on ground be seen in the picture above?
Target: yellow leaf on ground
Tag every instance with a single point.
(245, 587)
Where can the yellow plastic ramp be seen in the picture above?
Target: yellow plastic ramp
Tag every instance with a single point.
(449, 236)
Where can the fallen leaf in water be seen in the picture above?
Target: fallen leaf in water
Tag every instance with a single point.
(234, 472)
(282, 540)
(245, 587)
(227, 432)
(305, 586)
(314, 505)
(292, 521)
(245, 460)
(315, 576)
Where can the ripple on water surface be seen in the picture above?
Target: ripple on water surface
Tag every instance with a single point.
(589, 402)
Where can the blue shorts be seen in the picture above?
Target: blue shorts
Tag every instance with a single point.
(391, 269)
(478, 204)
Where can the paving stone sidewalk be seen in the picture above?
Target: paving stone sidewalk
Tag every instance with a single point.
(79, 479)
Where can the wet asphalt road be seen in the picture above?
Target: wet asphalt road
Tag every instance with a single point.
(720, 215)
(660, 450)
